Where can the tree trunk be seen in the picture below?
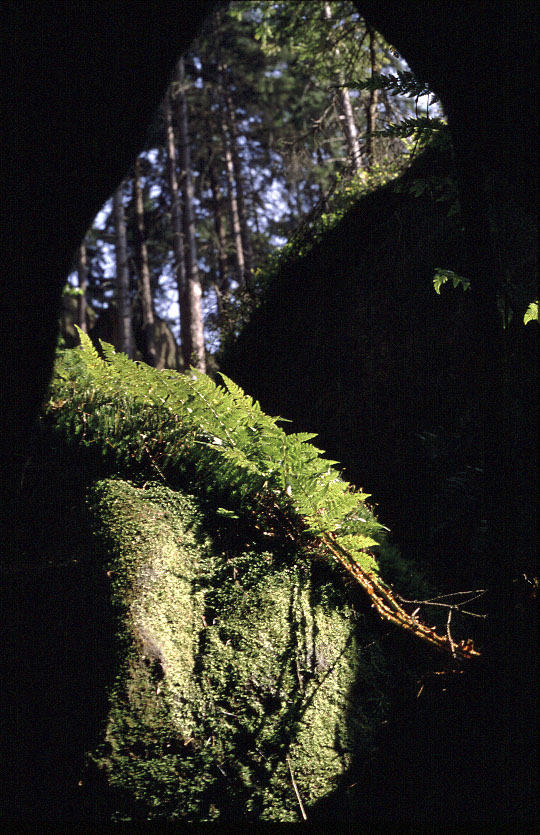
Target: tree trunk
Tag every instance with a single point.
(178, 237)
(221, 284)
(232, 131)
(254, 212)
(195, 352)
(144, 270)
(347, 114)
(371, 107)
(349, 127)
(125, 327)
(82, 276)
(232, 201)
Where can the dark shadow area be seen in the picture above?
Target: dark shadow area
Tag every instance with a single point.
(57, 638)
(354, 343)
(459, 751)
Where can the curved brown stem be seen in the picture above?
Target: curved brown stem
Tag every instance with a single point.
(387, 606)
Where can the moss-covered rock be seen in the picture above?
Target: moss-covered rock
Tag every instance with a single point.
(242, 670)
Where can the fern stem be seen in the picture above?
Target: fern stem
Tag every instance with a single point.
(388, 607)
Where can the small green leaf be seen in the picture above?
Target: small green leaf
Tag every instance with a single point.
(442, 276)
(531, 314)
(228, 514)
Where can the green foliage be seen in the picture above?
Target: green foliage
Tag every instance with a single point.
(422, 128)
(170, 423)
(221, 441)
(73, 292)
(531, 314)
(403, 83)
(325, 46)
(442, 276)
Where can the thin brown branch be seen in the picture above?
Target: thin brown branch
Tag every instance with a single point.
(449, 634)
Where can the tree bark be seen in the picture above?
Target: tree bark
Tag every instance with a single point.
(197, 356)
(82, 276)
(144, 270)
(232, 130)
(221, 284)
(371, 107)
(232, 202)
(347, 114)
(125, 327)
(254, 212)
(177, 235)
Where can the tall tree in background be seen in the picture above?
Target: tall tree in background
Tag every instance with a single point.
(194, 351)
(347, 115)
(232, 200)
(141, 257)
(221, 283)
(231, 139)
(271, 126)
(126, 342)
(177, 231)
(82, 279)
(228, 167)
(331, 43)
(373, 100)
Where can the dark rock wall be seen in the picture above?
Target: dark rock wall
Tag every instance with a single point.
(354, 343)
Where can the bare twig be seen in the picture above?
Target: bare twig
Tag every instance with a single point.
(436, 601)
(449, 634)
(476, 592)
(297, 793)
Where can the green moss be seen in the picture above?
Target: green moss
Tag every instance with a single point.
(237, 665)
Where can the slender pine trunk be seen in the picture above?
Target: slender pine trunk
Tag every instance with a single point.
(371, 107)
(126, 342)
(254, 212)
(177, 236)
(82, 277)
(193, 284)
(221, 284)
(232, 128)
(349, 126)
(347, 114)
(232, 201)
(233, 207)
(144, 270)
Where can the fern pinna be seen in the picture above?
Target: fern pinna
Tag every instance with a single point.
(166, 420)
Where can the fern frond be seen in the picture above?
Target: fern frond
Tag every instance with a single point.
(403, 83)
(166, 421)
